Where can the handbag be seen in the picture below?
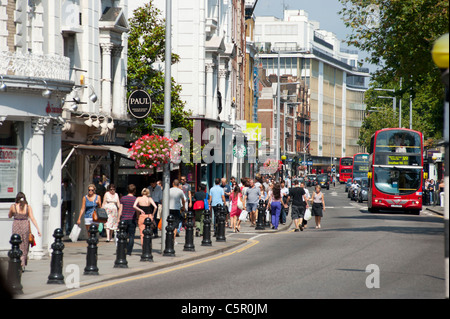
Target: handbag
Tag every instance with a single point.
(100, 215)
(307, 214)
(31, 239)
(240, 205)
(199, 205)
(206, 205)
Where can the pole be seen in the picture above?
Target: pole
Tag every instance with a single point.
(278, 148)
(446, 187)
(400, 107)
(167, 118)
(410, 112)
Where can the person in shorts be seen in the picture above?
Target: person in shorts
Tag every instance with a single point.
(176, 204)
(299, 205)
(251, 200)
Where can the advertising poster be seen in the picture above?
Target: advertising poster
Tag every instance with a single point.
(9, 171)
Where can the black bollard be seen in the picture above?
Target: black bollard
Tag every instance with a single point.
(189, 244)
(147, 241)
(169, 250)
(261, 213)
(91, 257)
(206, 229)
(56, 264)
(221, 223)
(14, 267)
(121, 252)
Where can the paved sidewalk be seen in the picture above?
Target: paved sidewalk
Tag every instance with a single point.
(34, 279)
(435, 209)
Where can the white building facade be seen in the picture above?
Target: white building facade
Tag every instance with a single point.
(61, 63)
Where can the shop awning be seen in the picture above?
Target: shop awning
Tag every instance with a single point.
(96, 150)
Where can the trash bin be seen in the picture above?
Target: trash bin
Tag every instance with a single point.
(442, 199)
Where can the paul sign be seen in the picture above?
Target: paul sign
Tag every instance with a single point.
(139, 104)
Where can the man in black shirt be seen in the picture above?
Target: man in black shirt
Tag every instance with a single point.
(299, 205)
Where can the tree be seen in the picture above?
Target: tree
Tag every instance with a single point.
(146, 48)
(399, 36)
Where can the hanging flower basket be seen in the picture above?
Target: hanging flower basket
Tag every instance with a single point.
(272, 164)
(152, 151)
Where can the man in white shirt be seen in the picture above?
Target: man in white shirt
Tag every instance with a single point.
(307, 196)
(176, 204)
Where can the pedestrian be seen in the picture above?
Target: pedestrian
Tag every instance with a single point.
(275, 205)
(111, 205)
(431, 189)
(217, 198)
(23, 213)
(199, 197)
(66, 206)
(284, 202)
(299, 205)
(227, 191)
(440, 190)
(236, 195)
(145, 207)
(157, 195)
(176, 205)
(187, 193)
(318, 206)
(127, 213)
(307, 197)
(90, 202)
(251, 199)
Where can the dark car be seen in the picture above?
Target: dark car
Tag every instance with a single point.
(363, 190)
(323, 180)
(311, 180)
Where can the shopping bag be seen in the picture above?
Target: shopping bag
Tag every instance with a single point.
(76, 230)
(307, 214)
(268, 215)
(243, 216)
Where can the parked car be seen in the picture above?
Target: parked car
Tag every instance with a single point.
(323, 180)
(363, 190)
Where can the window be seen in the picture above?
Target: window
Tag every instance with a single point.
(10, 162)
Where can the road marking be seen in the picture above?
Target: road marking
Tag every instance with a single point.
(252, 242)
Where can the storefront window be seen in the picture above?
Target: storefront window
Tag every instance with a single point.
(10, 162)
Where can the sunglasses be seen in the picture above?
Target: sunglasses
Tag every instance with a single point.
(91, 190)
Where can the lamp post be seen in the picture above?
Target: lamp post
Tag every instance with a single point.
(440, 58)
(167, 119)
(394, 102)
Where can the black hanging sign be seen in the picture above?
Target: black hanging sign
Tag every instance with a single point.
(139, 104)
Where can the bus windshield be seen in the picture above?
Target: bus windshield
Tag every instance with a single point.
(346, 161)
(398, 141)
(397, 181)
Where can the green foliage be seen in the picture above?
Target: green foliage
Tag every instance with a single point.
(146, 46)
(400, 44)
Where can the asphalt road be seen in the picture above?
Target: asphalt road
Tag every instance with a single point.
(355, 255)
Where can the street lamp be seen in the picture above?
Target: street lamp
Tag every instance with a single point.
(440, 57)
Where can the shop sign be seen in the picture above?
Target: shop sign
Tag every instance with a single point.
(139, 104)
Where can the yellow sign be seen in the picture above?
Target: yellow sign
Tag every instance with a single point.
(253, 131)
(398, 160)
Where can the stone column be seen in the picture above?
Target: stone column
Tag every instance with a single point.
(209, 90)
(106, 77)
(225, 115)
(54, 183)
(36, 197)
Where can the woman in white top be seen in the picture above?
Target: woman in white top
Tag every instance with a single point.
(111, 205)
(318, 206)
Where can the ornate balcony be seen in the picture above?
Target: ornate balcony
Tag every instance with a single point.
(47, 66)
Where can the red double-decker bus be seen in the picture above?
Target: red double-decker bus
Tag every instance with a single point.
(395, 170)
(345, 169)
(360, 165)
